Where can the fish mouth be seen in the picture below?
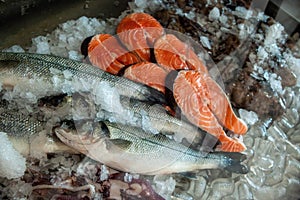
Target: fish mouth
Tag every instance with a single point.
(76, 137)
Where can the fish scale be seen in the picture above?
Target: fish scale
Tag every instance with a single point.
(17, 124)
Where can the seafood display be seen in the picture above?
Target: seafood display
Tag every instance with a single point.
(34, 73)
(114, 145)
(186, 100)
(199, 97)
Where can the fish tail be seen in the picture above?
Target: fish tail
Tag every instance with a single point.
(233, 162)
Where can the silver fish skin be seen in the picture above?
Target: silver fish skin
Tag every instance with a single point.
(27, 66)
(130, 149)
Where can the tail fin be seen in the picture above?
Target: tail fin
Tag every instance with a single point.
(234, 162)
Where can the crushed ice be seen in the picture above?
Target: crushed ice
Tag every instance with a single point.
(12, 163)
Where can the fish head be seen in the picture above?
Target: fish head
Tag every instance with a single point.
(82, 136)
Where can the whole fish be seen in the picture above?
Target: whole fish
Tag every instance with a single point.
(24, 68)
(130, 149)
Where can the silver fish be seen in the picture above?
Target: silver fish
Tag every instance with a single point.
(24, 67)
(130, 149)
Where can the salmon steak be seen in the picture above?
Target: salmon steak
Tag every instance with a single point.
(138, 32)
(106, 52)
(145, 54)
(200, 98)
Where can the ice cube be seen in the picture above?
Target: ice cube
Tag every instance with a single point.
(214, 14)
(277, 135)
(276, 175)
(264, 147)
(276, 192)
(67, 74)
(95, 22)
(243, 190)
(81, 22)
(75, 55)
(104, 173)
(14, 48)
(255, 177)
(182, 195)
(291, 116)
(205, 42)
(261, 53)
(292, 167)
(199, 187)
(12, 163)
(249, 117)
(164, 185)
(265, 163)
(242, 12)
(223, 19)
(62, 38)
(146, 123)
(72, 42)
(275, 82)
(223, 186)
(292, 188)
(293, 149)
(141, 3)
(273, 33)
(43, 48)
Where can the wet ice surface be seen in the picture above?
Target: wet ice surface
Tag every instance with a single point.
(273, 150)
